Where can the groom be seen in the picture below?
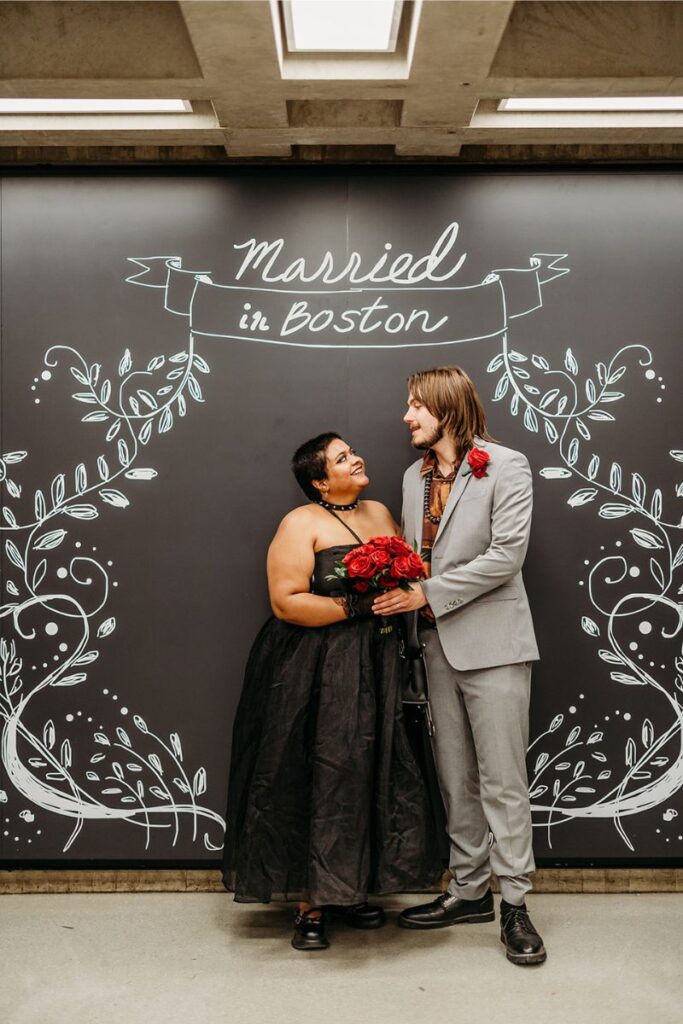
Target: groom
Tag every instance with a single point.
(467, 506)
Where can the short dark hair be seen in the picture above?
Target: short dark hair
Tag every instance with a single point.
(308, 462)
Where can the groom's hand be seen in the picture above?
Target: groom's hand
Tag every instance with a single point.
(397, 601)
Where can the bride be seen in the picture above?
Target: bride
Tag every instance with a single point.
(326, 803)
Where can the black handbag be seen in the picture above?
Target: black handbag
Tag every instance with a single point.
(420, 727)
(416, 682)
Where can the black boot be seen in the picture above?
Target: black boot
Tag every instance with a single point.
(360, 915)
(522, 942)
(309, 932)
(447, 909)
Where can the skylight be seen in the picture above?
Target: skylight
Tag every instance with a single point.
(597, 103)
(342, 26)
(74, 106)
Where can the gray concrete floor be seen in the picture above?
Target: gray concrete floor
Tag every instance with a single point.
(202, 959)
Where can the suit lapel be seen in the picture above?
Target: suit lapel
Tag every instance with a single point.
(457, 490)
(414, 509)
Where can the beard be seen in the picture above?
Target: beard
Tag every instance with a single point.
(429, 440)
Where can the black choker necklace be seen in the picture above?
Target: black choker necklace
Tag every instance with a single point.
(338, 508)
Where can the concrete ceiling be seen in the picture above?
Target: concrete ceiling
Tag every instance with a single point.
(435, 98)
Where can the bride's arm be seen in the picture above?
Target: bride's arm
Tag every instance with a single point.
(291, 558)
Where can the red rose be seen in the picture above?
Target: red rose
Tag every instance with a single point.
(363, 549)
(478, 460)
(361, 566)
(401, 569)
(380, 542)
(361, 586)
(417, 566)
(397, 546)
(381, 557)
(387, 583)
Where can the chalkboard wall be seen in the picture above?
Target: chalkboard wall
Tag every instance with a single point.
(159, 367)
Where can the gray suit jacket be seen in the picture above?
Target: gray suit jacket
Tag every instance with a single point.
(476, 590)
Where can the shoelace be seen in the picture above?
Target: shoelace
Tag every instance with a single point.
(518, 916)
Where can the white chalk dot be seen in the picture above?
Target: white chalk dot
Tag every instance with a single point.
(62, 573)
(581, 696)
(627, 717)
(33, 387)
(607, 718)
(5, 833)
(51, 628)
(79, 713)
(35, 379)
(634, 571)
(663, 387)
(39, 832)
(114, 697)
(55, 657)
(659, 398)
(586, 562)
(46, 375)
(650, 374)
(658, 830)
(16, 839)
(94, 549)
(77, 544)
(618, 544)
(580, 583)
(617, 712)
(44, 664)
(37, 401)
(69, 717)
(652, 664)
(105, 691)
(89, 719)
(572, 710)
(110, 563)
(633, 646)
(115, 584)
(124, 711)
(64, 647)
(645, 627)
(602, 547)
(640, 657)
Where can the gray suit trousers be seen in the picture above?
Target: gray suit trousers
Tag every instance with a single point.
(480, 743)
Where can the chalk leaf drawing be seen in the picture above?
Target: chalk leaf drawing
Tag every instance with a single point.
(571, 777)
(133, 775)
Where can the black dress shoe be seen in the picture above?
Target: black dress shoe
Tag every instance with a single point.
(447, 909)
(360, 915)
(522, 942)
(309, 933)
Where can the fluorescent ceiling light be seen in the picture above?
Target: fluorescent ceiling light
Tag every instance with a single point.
(342, 26)
(63, 106)
(623, 103)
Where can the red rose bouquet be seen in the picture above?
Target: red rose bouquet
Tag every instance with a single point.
(382, 563)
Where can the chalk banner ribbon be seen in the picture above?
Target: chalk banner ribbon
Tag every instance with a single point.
(396, 316)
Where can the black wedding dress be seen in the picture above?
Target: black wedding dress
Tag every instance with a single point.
(326, 802)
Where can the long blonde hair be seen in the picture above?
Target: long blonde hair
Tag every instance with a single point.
(450, 396)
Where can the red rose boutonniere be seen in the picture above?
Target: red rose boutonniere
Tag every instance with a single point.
(478, 460)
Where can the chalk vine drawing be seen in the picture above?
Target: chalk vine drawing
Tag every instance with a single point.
(571, 775)
(134, 775)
